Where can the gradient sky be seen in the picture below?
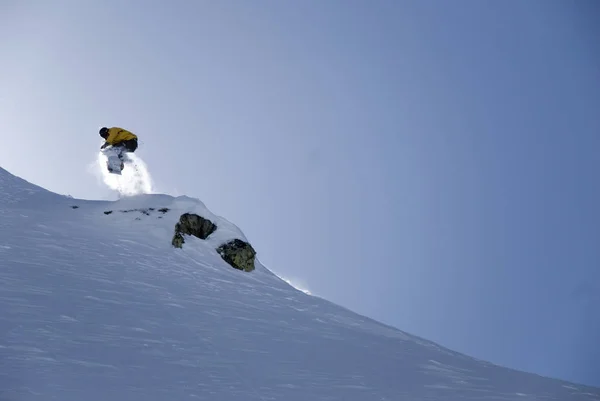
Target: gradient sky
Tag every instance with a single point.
(431, 164)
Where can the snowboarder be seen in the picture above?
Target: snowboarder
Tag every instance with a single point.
(120, 139)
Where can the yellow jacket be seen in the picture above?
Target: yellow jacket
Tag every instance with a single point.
(117, 135)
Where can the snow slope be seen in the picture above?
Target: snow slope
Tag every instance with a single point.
(99, 306)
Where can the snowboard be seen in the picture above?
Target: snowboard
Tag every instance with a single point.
(115, 163)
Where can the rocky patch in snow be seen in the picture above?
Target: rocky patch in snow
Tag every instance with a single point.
(192, 224)
(144, 211)
(239, 254)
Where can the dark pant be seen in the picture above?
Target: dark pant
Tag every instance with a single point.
(129, 145)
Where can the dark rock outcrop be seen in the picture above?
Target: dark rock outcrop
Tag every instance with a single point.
(192, 224)
(238, 254)
(145, 211)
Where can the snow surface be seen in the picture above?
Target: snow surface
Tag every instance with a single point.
(97, 305)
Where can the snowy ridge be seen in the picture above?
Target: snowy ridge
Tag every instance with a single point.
(14, 190)
(97, 305)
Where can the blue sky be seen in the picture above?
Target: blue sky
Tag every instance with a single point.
(433, 165)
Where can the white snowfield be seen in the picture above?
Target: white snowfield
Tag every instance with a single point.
(101, 307)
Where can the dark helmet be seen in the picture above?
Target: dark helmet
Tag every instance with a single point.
(103, 132)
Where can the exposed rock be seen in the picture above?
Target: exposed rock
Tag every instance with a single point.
(192, 224)
(75, 207)
(143, 211)
(177, 240)
(239, 254)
